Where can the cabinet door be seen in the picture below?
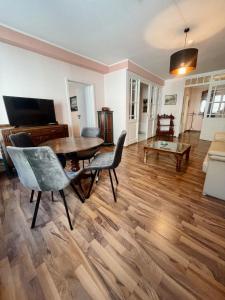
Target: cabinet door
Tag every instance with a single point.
(109, 128)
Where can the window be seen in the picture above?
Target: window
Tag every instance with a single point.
(133, 99)
(203, 102)
(216, 108)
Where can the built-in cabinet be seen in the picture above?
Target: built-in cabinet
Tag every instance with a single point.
(122, 95)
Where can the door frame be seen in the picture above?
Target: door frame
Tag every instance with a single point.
(67, 80)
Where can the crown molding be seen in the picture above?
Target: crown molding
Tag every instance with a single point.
(21, 40)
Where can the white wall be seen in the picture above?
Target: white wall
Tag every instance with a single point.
(25, 73)
(171, 87)
(210, 126)
(115, 99)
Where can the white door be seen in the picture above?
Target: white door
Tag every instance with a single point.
(82, 106)
(133, 121)
(150, 118)
(76, 120)
(214, 116)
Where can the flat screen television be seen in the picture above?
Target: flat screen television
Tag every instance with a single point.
(29, 111)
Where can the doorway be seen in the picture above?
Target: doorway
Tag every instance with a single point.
(194, 105)
(143, 111)
(82, 106)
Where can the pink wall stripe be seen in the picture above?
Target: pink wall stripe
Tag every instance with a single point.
(143, 73)
(21, 40)
(118, 66)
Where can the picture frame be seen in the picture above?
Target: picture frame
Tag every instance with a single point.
(145, 105)
(73, 103)
(171, 99)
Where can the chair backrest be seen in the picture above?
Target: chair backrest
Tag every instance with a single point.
(90, 132)
(119, 149)
(21, 139)
(38, 168)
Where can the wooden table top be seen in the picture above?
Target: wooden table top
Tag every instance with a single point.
(72, 145)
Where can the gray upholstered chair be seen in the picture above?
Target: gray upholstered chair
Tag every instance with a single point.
(23, 140)
(88, 154)
(90, 132)
(108, 161)
(39, 169)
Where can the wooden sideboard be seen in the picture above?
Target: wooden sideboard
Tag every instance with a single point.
(39, 134)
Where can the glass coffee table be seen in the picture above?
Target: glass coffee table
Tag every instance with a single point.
(175, 148)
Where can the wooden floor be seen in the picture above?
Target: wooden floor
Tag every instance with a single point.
(161, 240)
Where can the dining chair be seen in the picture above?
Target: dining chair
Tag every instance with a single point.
(89, 132)
(39, 169)
(107, 161)
(23, 140)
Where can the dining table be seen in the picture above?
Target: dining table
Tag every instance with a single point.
(70, 146)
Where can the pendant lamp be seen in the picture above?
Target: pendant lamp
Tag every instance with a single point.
(185, 60)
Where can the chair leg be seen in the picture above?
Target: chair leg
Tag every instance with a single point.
(52, 196)
(83, 164)
(82, 199)
(36, 210)
(92, 182)
(114, 171)
(97, 176)
(66, 208)
(31, 196)
(114, 195)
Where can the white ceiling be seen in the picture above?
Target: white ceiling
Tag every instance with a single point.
(145, 31)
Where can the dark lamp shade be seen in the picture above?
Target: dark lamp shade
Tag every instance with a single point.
(183, 61)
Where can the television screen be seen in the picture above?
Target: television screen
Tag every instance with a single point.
(29, 111)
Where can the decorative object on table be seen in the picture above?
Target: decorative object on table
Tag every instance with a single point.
(145, 105)
(105, 108)
(165, 125)
(175, 148)
(105, 123)
(185, 60)
(164, 143)
(73, 103)
(171, 99)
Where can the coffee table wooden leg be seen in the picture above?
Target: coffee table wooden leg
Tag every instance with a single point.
(188, 154)
(178, 162)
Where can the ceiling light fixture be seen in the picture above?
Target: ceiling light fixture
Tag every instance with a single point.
(185, 60)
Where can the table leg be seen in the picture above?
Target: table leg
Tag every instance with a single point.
(188, 154)
(178, 162)
(75, 165)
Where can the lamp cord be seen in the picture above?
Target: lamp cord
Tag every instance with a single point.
(186, 30)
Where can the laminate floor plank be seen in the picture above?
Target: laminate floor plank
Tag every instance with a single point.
(162, 239)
